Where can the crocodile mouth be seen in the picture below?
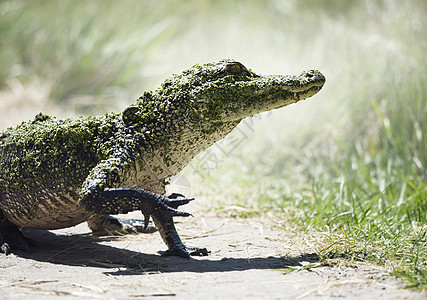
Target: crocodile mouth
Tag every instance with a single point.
(306, 93)
(285, 90)
(311, 80)
(266, 92)
(277, 91)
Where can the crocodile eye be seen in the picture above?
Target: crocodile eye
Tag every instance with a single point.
(234, 68)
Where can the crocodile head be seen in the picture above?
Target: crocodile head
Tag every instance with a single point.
(227, 91)
(193, 110)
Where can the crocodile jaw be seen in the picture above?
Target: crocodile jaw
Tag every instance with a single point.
(290, 96)
(265, 93)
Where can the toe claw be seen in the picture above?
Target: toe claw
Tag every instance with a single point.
(198, 251)
(181, 252)
(175, 195)
(178, 202)
(13, 239)
(179, 213)
(186, 252)
(5, 248)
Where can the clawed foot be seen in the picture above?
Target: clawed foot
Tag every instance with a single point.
(129, 225)
(163, 218)
(11, 238)
(166, 206)
(186, 252)
(101, 224)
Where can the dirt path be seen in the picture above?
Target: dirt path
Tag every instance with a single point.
(246, 261)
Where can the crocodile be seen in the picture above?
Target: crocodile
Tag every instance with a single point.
(56, 173)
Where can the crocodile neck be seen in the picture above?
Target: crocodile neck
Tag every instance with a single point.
(159, 163)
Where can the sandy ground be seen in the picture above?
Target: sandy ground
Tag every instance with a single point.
(247, 261)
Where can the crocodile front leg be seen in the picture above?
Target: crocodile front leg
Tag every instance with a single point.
(170, 236)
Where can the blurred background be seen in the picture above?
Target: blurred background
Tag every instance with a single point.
(355, 153)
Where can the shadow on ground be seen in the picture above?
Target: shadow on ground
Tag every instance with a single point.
(88, 250)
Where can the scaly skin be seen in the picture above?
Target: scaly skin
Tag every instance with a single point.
(57, 173)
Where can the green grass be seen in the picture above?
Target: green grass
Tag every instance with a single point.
(349, 163)
(361, 178)
(86, 54)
